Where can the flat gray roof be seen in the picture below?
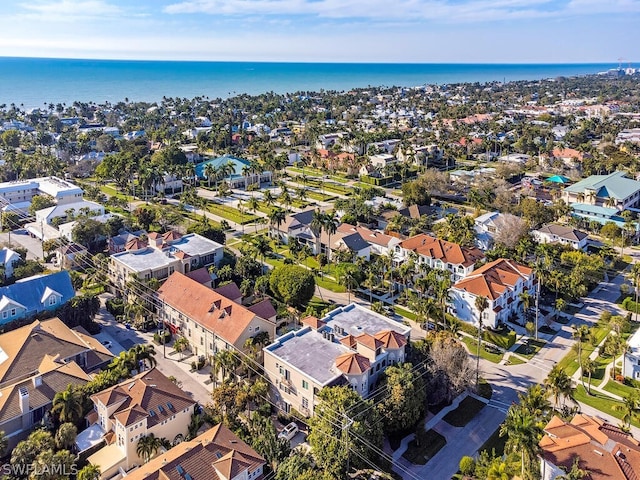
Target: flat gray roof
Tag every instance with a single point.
(145, 259)
(356, 320)
(195, 245)
(309, 352)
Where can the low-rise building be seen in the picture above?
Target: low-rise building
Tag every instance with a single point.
(350, 345)
(440, 254)
(209, 320)
(603, 450)
(36, 361)
(148, 403)
(161, 255)
(562, 234)
(632, 357)
(61, 191)
(30, 296)
(613, 191)
(501, 282)
(8, 258)
(217, 454)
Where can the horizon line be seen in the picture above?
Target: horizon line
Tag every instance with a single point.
(497, 63)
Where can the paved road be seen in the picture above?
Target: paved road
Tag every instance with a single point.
(508, 380)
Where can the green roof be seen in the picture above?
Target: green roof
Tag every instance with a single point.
(614, 185)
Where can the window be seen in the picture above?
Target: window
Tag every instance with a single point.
(257, 328)
(305, 384)
(201, 341)
(5, 314)
(305, 402)
(13, 312)
(52, 300)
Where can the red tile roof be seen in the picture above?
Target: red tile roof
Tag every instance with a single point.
(216, 313)
(313, 322)
(368, 341)
(352, 363)
(494, 278)
(447, 252)
(391, 339)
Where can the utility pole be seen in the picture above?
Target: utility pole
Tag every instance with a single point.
(42, 237)
(537, 306)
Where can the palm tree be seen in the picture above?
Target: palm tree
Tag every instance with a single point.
(225, 361)
(535, 401)
(180, 345)
(576, 473)
(268, 198)
(526, 298)
(67, 405)
(285, 200)
(145, 353)
(523, 434)
(148, 446)
(350, 282)
(253, 205)
(581, 334)
(317, 225)
(262, 246)
(559, 384)
(635, 272)
(481, 303)
(589, 367)
(209, 172)
(330, 224)
(616, 346)
(630, 408)
(277, 217)
(89, 472)
(498, 471)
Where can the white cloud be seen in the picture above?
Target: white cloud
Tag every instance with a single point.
(70, 10)
(409, 10)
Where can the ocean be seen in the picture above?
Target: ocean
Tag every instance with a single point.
(34, 82)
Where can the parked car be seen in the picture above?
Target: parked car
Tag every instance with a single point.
(289, 431)
(107, 343)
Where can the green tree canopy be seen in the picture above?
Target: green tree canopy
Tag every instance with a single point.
(404, 397)
(292, 284)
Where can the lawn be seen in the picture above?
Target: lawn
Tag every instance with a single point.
(570, 361)
(430, 444)
(495, 442)
(618, 388)
(472, 343)
(321, 197)
(500, 339)
(528, 350)
(231, 213)
(405, 313)
(329, 284)
(113, 192)
(513, 360)
(466, 411)
(602, 402)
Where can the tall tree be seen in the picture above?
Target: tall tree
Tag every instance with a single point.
(523, 435)
(481, 304)
(67, 405)
(403, 401)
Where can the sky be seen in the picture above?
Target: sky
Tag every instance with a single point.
(421, 31)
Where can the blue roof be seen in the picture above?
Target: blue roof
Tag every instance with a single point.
(614, 185)
(29, 292)
(238, 164)
(601, 215)
(558, 179)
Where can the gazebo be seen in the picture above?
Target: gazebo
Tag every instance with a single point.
(558, 179)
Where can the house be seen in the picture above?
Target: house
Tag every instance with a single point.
(569, 156)
(488, 225)
(160, 255)
(296, 225)
(209, 320)
(8, 258)
(148, 403)
(241, 173)
(217, 454)
(30, 296)
(62, 191)
(501, 282)
(614, 191)
(379, 243)
(118, 243)
(563, 234)
(66, 255)
(631, 367)
(603, 450)
(440, 254)
(350, 345)
(66, 212)
(40, 359)
(382, 161)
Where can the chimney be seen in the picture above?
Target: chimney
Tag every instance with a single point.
(24, 399)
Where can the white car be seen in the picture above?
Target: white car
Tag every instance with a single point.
(289, 431)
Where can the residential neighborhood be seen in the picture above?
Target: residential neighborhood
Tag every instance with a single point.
(431, 282)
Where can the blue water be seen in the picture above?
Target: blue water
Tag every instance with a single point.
(32, 82)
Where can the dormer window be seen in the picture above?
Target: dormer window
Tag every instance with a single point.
(53, 300)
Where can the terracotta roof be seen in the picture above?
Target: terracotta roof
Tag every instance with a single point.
(181, 255)
(149, 394)
(448, 252)
(391, 339)
(352, 363)
(216, 450)
(313, 322)
(26, 346)
(493, 279)
(135, 244)
(605, 451)
(368, 341)
(171, 236)
(206, 307)
(154, 235)
(369, 236)
(349, 341)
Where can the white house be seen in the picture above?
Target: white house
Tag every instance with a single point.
(501, 282)
(565, 235)
(8, 258)
(632, 357)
